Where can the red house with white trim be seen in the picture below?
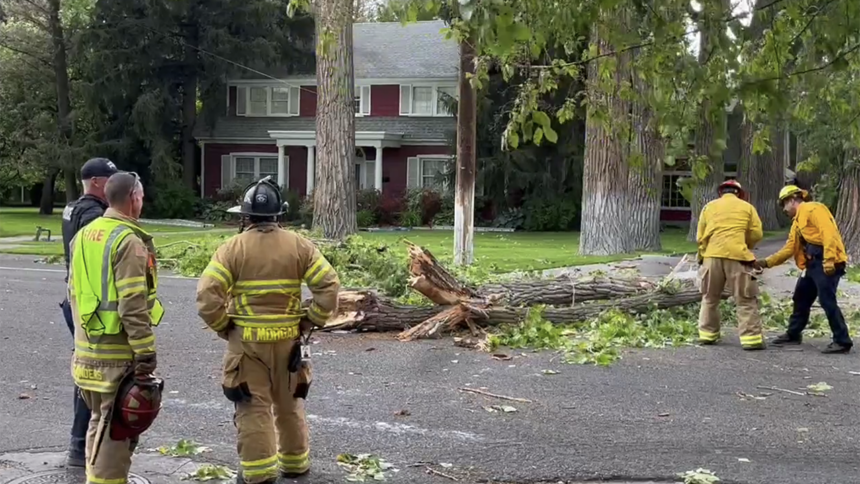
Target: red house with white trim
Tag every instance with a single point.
(403, 74)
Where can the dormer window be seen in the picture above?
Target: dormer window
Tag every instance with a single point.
(262, 101)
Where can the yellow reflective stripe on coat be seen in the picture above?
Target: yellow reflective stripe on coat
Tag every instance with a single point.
(262, 467)
(317, 271)
(217, 271)
(131, 285)
(708, 336)
(317, 314)
(272, 286)
(96, 351)
(143, 345)
(221, 324)
(752, 340)
(294, 463)
(266, 320)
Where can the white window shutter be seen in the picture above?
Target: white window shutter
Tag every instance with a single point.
(405, 99)
(365, 100)
(369, 174)
(226, 171)
(295, 95)
(241, 101)
(413, 172)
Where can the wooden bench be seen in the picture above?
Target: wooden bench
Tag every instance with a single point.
(39, 230)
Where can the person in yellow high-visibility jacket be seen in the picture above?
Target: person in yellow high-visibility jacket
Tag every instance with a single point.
(816, 245)
(729, 227)
(112, 293)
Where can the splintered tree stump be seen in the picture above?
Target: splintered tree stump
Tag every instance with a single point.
(434, 281)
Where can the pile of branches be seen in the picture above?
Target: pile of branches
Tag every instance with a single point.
(566, 300)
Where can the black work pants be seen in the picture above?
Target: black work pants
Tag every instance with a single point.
(816, 284)
(81, 420)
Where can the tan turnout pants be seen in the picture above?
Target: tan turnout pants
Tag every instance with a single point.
(272, 432)
(715, 276)
(112, 463)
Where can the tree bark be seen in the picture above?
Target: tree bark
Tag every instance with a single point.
(645, 176)
(605, 205)
(849, 204)
(464, 198)
(71, 182)
(46, 203)
(189, 102)
(335, 187)
(565, 291)
(762, 176)
(64, 107)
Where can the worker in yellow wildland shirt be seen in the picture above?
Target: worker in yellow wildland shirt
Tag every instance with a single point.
(112, 294)
(729, 228)
(250, 294)
(816, 245)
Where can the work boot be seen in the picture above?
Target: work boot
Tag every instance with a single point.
(705, 342)
(293, 475)
(75, 459)
(785, 340)
(241, 480)
(836, 348)
(757, 347)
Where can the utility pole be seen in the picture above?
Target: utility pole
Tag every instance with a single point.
(464, 197)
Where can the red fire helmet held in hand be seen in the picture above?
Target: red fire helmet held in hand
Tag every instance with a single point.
(138, 402)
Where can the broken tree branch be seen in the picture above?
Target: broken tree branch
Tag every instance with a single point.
(493, 395)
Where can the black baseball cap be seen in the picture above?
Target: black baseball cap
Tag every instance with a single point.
(98, 167)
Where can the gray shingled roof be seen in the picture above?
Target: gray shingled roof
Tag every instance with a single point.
(394, 50)
(258, 128)
(390, 50)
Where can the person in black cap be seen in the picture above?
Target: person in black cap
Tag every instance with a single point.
(76, 215)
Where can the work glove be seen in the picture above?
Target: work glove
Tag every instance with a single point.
(144, 365)
(305, 325)
(700, 260)
(760, 264)
(829, 268)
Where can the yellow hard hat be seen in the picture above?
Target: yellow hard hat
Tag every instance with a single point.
(790, 190)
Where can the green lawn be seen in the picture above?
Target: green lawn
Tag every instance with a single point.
(495, 252)
(505, 252)
(15, 221)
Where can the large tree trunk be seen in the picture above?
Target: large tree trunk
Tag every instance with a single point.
(46, 203)
(189, 104)
(605, 207)
(71, 182)
(848, 205)
(64, 105)
(705, 190)
(334, 193)
(762, 177)
(645, 176)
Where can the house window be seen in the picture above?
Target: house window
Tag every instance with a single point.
(258, 104)
(444, 97)
(426, 100)
(432, 171)
(252, 168)
(361, 103)
(267, 100)
(281, 100)
(422, 101)
(672, 197)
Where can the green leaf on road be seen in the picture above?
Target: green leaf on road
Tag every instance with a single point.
(363, 467)
(183, 448)
(209, 472)
(820, 387)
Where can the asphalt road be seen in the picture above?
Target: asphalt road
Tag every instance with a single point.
(650, 416)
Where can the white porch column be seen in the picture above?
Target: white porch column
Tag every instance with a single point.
(282, 167)
(377, 167)
(311, 172)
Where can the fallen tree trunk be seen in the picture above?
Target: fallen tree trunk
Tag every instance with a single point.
(366, 311)
(565, 291)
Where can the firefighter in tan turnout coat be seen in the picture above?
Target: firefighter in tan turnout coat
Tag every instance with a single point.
(250, 294)
(112, 294)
